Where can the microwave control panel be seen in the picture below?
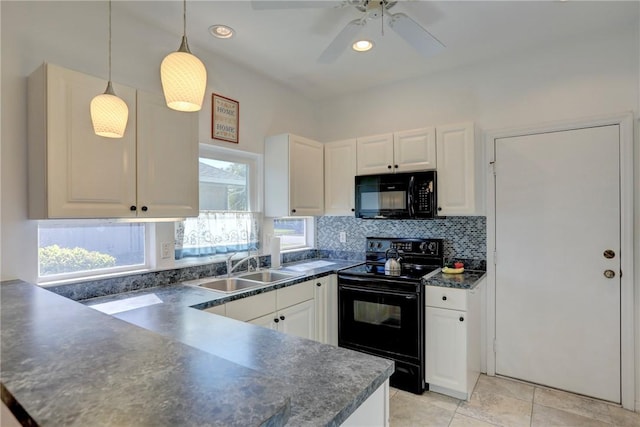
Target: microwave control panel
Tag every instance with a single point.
(425, 196)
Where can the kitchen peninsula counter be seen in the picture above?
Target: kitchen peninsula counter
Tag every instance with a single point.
(64, 363)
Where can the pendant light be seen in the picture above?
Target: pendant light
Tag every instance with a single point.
(109, 113)
(183, 75)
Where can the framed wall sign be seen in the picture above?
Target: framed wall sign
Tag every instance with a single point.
(225, 118)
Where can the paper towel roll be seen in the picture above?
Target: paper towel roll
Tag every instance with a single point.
(275, 252)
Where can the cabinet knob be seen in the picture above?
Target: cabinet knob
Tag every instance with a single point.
(144, 209)
(276, 320)
(281, 317)
(353, 210)
(461, 319)
(439, 208)
(318, 284)
(388, 166)
(444, 298)
(133, 208)
(293, 210)
(395, 166)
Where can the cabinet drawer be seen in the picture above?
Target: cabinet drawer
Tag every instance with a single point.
(252, 307)
(292, 295)
(455, 299)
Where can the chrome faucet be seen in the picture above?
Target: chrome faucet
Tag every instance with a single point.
(248, 259)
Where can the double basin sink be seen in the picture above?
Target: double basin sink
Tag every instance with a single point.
(243, 281)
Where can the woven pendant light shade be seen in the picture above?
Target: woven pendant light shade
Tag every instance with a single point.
(184, 80)
(109, 114)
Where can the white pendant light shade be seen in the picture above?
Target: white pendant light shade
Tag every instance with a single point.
(183, 75)
(184, 80)
(109, 114)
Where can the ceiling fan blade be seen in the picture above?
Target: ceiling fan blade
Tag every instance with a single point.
(342, 40)
(419, 38)
(299, 4)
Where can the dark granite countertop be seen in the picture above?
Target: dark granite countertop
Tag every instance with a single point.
(468, 279)
(65, 363)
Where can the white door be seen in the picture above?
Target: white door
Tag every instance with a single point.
(374, 154)
(557, 212)
(306, 182)
(446, 348)
(339, 173)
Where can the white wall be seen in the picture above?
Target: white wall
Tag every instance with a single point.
(73, 35)
(590, 76)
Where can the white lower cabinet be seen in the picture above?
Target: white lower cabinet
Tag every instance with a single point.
(374, 412)
(326, 299)
(291, 310)
(452, 340)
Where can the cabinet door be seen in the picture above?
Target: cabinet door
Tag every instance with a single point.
(339, 177)
(375, 154)
(414, 150)
(73, 172)
(306, 176)
(446, 348)
(267, 321)
(167, 159)
(299, 320)
(456, 169)
(252, 307)
(320, 298)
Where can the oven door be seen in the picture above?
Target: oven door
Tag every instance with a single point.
(380, 317)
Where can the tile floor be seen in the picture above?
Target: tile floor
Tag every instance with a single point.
(502, 402)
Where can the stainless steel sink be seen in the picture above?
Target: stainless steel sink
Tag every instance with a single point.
(229, 284)
(267, 276)
(242, 282)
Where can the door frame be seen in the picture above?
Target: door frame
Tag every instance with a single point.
(627, 326)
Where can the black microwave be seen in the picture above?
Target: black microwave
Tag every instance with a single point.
(410, 195)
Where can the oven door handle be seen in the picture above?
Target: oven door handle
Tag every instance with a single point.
(409, 296)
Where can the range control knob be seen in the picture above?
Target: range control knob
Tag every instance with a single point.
(423, 247)
(379, 245)
(432, 246)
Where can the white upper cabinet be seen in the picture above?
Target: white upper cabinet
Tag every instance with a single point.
(339, 177)
(404, 151)
(414, 150)
(456, 159)
(375, 154)
(167, 159)
(74, 173)
(294, 176)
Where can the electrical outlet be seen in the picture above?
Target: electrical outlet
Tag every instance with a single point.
(343, 237)
(165, 251)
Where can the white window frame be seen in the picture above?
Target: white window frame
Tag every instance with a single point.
(56, 279)
(255, 194)
(253, 161)
(309, 233)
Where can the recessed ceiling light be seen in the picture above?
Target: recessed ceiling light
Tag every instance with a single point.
(362, 45)
(221, 31)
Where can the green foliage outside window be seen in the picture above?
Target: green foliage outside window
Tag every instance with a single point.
(56, 260)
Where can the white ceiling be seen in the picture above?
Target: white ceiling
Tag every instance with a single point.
(285, 44)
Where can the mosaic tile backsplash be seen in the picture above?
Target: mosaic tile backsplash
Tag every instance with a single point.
(464, 236)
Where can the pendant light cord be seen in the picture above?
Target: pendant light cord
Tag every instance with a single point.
(184, 17)
(109, 40)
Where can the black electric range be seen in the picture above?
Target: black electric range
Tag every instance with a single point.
(382, 313)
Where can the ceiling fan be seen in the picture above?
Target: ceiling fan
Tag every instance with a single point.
(408, 29)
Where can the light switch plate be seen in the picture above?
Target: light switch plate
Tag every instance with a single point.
(165, 251)
(343, 237)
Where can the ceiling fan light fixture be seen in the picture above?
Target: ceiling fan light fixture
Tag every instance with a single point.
(221, 31)
(362, 46)
(183, 76)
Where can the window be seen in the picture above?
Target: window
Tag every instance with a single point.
(292, 232)
(68, 249)
(226, 222)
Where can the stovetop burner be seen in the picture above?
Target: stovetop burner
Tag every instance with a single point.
(418, 257)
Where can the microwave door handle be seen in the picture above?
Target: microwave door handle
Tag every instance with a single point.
(410, 196)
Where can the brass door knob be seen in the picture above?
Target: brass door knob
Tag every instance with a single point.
(609, 274)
